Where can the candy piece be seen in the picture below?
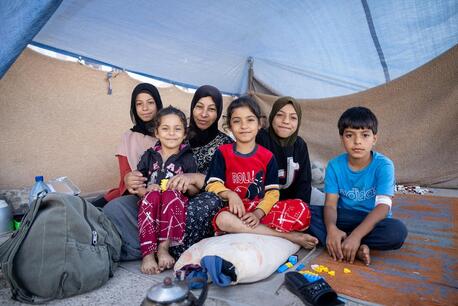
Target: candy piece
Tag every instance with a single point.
(332, 273)
(293, 259)
(164, 184)
(315, 268)
(300, 267)
(284, 267)
(346, 271)
(312, 277)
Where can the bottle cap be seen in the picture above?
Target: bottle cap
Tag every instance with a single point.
(38, 178)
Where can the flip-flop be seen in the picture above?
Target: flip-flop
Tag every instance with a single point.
(316, 293)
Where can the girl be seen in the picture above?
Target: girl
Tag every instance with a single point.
(144, 104)
(246, 175)
(162, 212)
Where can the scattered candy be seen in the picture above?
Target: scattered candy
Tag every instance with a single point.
(346, 270)
(332, 273)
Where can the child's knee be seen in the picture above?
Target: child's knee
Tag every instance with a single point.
(398, 234)
(223, 220)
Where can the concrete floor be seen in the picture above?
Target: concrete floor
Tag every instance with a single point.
(129, 286)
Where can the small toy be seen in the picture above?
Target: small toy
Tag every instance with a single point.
(300, 267)
(292, 260)
(346, 270)
(164, 184)
(310, 276)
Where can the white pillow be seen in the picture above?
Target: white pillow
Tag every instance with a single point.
(254, 257)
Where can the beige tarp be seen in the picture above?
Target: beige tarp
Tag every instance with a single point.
(57, 120)
(418, 120)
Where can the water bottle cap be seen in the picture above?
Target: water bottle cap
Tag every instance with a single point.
(38, 178)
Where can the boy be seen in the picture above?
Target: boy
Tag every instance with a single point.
(359, 185)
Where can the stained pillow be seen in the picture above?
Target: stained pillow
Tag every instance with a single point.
(255, 257)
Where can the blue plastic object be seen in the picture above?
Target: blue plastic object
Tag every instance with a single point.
(38, 189)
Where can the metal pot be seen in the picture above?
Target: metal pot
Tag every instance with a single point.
(6, 218)
(174, 293)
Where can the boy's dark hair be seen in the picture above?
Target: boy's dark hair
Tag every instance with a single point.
(358, 117)
(169, 110)
(244, 101)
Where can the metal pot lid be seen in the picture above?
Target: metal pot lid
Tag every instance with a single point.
(167, 292)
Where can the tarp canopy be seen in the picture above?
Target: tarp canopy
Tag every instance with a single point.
(307, 49)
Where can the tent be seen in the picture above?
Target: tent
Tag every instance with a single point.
(333, 53)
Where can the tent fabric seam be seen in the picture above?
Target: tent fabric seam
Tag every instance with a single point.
(378, 47)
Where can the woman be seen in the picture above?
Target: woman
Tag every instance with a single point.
(145, 103)
(204, 139)
(290, 151)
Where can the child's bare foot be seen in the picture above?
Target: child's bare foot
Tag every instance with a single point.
(304, 240)
(163, 257)
(364, 254)
(149, 265)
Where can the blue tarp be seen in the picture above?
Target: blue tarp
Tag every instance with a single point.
(307, 49)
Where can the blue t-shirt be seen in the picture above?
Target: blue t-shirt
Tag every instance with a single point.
(357, 189)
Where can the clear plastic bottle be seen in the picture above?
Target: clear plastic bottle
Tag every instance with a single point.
(37, 188)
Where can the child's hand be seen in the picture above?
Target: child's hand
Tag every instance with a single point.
(250, 219)
(235, 204)
(153, 187)
(350, 248)
(334, 243)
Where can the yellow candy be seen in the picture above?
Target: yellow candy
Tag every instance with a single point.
(332, 273)
(164, 184)
(347, 270)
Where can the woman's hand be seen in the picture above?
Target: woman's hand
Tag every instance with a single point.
(235, 204)
(134, 180)
(180, 182)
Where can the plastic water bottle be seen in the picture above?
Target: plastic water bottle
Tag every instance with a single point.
(37, 188)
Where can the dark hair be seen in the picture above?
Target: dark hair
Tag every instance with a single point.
(358, 117)
(244, 101)
(170, 110)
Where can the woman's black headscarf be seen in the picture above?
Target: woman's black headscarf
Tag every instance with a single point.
(198, 137)
(139, 125)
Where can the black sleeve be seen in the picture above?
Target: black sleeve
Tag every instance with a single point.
(304, 180)
(144, 163)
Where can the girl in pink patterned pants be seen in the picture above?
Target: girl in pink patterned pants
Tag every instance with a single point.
(162, 211)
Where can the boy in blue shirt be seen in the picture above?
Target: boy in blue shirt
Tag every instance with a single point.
(359, 186)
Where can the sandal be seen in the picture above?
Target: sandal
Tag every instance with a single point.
(317, 293)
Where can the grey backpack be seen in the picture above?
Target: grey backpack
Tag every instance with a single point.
(64, 247)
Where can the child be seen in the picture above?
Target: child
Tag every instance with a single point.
(144, 104)
(162, 215)
(359, 186)
(246, 175)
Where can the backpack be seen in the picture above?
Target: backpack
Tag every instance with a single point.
(64, 247)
